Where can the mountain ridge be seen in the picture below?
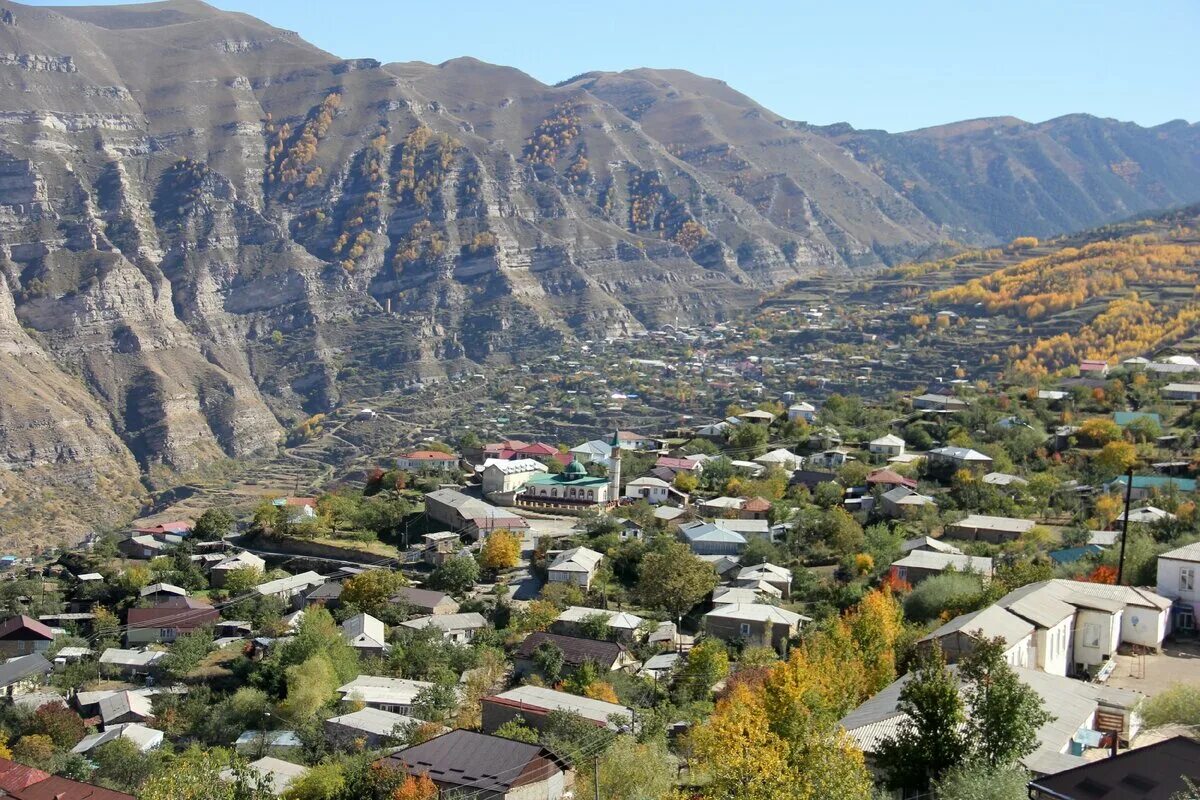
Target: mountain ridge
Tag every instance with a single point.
(211, 229)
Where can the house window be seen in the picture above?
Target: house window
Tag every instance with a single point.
(1186, 619)
(591, 494)
(902, 573)
(1091, 635)
(1187, 579)
(745, 629)
(166, 633)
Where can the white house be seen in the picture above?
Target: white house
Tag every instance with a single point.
(457, 628)
(427, 461)
(652, 490)
(1189, 392)
(396, 695)
(802, 410)
(781, 457)
(1177, 574)
(577, 565)
(959, 636)
(366, 634)
(500, 476)
(596, 451)
(831, 459)
(958, 457)
(889, 445)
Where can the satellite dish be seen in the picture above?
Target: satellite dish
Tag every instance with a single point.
(1134, 620)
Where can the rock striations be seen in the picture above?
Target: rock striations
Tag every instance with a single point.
(209, 227)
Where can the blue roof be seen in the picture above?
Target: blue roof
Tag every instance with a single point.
(1159, 482)
(1072, 554)
(1123, 418)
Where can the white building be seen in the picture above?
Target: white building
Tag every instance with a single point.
(1177, 579)
(577, 565)
(500, 476)
(396, 695)
(889, 445)
(652, 490)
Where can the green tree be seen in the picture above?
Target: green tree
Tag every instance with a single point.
(323, 781)
(748, 440)
(707, 663)
(950, 594)
(196, 775)
(1177, 705)
(630, 770)
(518, 731)
(186, 652)
(828, 494)
(930, 739)
(1004, 714)
(549, 660)
(974, 781)
(34, 750)
(371, 591)
(122, 766)
(213, 524)
(457, 576)
(674, 580)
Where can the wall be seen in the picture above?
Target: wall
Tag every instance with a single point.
(1108, 626)
(1150, 628)
(1054, 648)
(1168, 579)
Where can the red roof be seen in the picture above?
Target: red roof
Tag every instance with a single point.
(757, 504)
(429, 455)
(563, 458)
(14, 776)
(507, 444)
(59, 788)
(176, 527)
(184, 613)
(537, 449)
(888, 477)
(24, 628)
(311, 502)
(675, 463)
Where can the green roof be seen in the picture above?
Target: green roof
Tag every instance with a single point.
(1123, 418)
(564, 479)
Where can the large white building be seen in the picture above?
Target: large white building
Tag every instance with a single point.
(1178, 570)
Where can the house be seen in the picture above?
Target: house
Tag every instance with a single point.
(903, 501)
(811, 479)
(596, 451)
(297, 509)
(144, 739)
(677, 464)
(288, 588)
(470, 515)
(22, 635)
(1146, 515)
(989, 529)
(486, 767)
(366, 634)
(132, 662)
(1153, 772)
(889, 445)
(628, 440)
(440, 547)
(717, 430)
(145, 547)
(621, 626)
(1004, 481)
(888, 479)
(608, 656)
(652, 490)
(755, 508)
(757, 417)
(276, 773)
(833, 458)
(396, 695)
(577, 565)
(1093, 367)
(427, 461)
(1145, 486)
(1177, 579)
(261, 743)
(754, 625)
(958, 637)
(721, 506)
(456, 628)
(802, 410)
(505, 477)
(958, 458)
(758, 592)
(328, 594)
(23, 674)
(1074, 704)
(125, 706)
(927, 543)
(533, 704)
(425, 601)
(219, 574)
(572, 486)
(372, 727)
(777, 577)
(1189, 392)
(921, 564)
(163, 530)
(26, 783)
(780, 457)
(158, 592)
(712, 538)
(944, 403)
(167, 621)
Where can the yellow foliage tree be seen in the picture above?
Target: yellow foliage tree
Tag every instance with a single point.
(502, 550)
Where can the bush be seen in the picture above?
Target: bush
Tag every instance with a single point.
(952, 593)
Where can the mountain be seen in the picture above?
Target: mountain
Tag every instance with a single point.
(210, 229)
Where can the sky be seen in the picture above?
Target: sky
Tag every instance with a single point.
(873, 63)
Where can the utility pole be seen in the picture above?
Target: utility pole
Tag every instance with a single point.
(596, 774)
(1125, 527)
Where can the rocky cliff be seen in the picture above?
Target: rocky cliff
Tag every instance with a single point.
(209, 228)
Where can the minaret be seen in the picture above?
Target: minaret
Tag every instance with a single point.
(614, 466)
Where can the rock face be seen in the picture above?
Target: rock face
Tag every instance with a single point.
(209, 228)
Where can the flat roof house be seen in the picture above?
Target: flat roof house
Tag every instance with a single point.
(921, 564)
(427, 461)
(712, 538)
(486, 767)
(989, 529)
(387, 694)
(371, 726)
(533, 704)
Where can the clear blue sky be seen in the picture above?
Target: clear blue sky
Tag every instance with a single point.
(874, 63)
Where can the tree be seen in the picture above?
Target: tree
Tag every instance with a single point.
(743, 758)
(674, 580)
(416, 787)
(34, 750)
(518, 731)
(435, 703)
(974, 781)
(748, 439)
(371, 591)
(310, 685)
(1177, 705)
(949, 594)
(1116, 458)
(241, 580)
(549, 660)
(828, 494)
(501, 550)
(212, 525)
(1099, 431)
(321, 782)
(1004, 714)
(685, 482)
(457, 576)
(707, 663)
(196, 775)
(122, 766)
(64, 727)
(630, 770)
(930, 739)
(186, 652)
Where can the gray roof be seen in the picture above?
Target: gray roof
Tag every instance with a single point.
(547, 699)
(1189, 552)
(373, 720)
(710, 532)
(933, 560)
(18, 669)
(928, 543)
(991, 622)
(487, 764)
(985, 522)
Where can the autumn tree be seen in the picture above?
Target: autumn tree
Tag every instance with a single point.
(62, 725)
(501, 550)
(1116, 458)
(370, 591)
